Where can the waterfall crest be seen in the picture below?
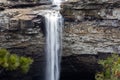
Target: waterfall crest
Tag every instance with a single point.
(56, 2)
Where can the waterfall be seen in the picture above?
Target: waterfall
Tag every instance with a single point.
(56, 2)
(54, 25)
(53, 42)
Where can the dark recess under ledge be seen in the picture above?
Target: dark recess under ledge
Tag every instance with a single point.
(81, 67)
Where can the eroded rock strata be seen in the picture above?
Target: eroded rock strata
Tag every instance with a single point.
(91, 27)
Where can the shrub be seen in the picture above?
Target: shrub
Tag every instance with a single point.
(25, 62)
(14, 62)
(111, 68)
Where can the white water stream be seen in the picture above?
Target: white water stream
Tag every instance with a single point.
(54, 24)
(54, 28)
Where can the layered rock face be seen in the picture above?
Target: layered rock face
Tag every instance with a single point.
(91, 26)
(22, 33)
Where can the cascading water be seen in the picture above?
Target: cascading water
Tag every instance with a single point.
(54, 28)
(56, 2)
(54, 25)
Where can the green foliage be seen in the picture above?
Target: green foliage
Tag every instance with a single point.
(25, 62)
(111, 69)
(14, 62)
(3, 52)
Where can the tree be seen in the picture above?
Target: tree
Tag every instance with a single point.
(14, 62)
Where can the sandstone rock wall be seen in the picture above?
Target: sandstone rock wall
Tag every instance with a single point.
(19, 29)
(91, 26)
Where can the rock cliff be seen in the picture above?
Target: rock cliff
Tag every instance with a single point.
(91, 26)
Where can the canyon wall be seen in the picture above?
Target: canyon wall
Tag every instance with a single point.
(91, 26)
